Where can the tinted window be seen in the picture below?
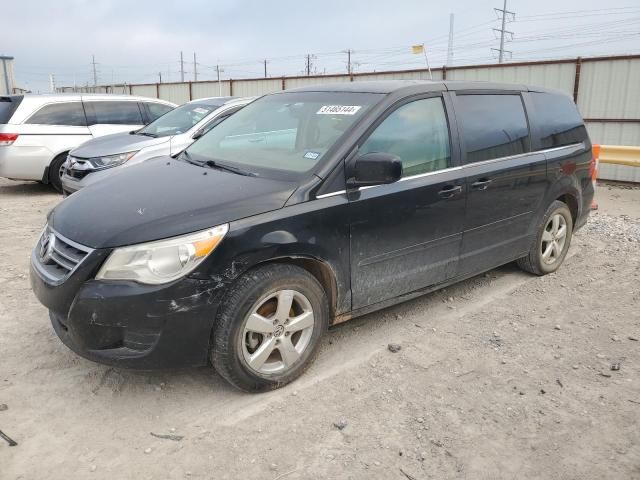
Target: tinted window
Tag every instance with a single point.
(417, 133)
(493, 126)
(8, 105)
(156, 110)
(115, 113)
(70, 113)
(558, 120)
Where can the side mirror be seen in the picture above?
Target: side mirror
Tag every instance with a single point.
(375, 169)
(198, 134)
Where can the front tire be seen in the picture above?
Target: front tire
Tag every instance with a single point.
(269, 327)
(55, 172)
(552, 241)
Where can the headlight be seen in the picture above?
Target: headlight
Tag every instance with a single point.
(162, 261)
(111, 160)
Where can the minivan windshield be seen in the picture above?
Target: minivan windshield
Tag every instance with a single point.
(282, 135)
(178, 120)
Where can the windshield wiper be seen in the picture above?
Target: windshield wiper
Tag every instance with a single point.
(147, 134)
(229, 168)
(188, 158)
(214, 164)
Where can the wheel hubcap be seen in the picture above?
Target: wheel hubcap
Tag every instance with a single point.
(277, 332)
(553, 239)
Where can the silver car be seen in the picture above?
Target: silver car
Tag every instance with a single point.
(38, 131)
(168, 135)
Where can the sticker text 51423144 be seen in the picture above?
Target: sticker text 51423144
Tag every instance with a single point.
(338, 110)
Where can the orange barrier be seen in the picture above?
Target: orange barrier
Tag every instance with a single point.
(595, 163)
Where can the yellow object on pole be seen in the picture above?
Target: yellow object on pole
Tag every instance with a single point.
(417, 50)
(620, 155)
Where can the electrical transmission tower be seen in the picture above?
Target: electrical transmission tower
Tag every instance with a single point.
(505, 16)
(308, 64)
(95, 71)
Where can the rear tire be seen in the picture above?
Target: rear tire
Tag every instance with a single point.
(552, 241)
(55, 172)
(268, 328)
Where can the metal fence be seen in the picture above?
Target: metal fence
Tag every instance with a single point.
(606, 90)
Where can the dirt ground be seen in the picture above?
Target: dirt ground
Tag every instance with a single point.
(503, 376)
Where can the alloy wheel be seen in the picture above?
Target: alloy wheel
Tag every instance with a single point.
(554, 238)
(277, 332)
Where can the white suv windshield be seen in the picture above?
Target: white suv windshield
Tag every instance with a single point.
(178, 120)
(287, 132)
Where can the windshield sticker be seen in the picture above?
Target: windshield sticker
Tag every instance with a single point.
(338, 110)
(201, 111)
(311, 155)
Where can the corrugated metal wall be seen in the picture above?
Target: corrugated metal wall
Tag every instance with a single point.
(559, 76)
(608, 93)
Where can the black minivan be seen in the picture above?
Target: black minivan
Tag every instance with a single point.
(305, 209)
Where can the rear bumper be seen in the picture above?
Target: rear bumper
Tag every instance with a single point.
(24, 162)
(125, 324)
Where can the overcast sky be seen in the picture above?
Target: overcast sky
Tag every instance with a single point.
(134, 40)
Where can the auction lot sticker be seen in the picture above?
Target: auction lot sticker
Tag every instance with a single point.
(338, 110)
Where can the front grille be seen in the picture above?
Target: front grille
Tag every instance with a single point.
(78, 167)
(58, 256)
(78, 174)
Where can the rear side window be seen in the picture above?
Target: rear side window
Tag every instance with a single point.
(558, 120)
(493, 126)
(71, 114)
(156, 110)
(8, 105)
(114, 113)
(418, 133)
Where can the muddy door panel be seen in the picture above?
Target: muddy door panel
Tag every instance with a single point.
(405, 236)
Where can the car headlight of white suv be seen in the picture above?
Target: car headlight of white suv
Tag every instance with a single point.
(162, 261)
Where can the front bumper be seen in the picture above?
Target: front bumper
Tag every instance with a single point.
(71, 184)
(126, 324)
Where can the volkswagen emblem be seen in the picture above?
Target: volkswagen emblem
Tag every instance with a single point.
(46, 247)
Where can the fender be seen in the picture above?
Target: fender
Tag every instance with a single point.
(304, 234)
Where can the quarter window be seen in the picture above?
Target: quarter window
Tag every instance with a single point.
(69, 114)
(417, 133)
(115, 113)
(493, 126)
(558, 120)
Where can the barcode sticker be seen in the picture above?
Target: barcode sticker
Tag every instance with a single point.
(338, 110)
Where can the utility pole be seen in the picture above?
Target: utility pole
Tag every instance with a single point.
(195, 68)
(181, 68)
(52, 83)
(219, 84)
(503, 13)
(160, 77)
(450, 45)
(95, 73)
(265, 69)
(307, 65)
(349, 61)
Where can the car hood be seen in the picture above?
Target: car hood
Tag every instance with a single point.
(114, 144)
(163, 198)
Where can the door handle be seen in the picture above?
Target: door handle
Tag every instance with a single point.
(481, 184)
(450, 191)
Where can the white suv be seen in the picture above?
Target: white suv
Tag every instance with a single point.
(37, 131)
